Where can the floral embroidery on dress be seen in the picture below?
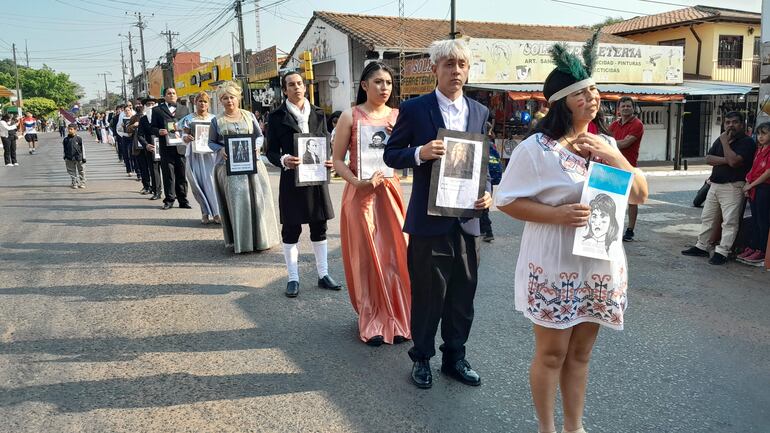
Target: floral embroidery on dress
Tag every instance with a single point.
(570, 162)
(569, 298)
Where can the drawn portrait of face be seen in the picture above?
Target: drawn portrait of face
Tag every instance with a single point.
(603, 227)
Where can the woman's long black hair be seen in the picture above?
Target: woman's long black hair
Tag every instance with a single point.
(558, 121)
(370, 69)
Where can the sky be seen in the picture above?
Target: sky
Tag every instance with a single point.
(81, 37)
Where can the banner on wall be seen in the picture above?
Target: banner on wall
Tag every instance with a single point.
(508, 61)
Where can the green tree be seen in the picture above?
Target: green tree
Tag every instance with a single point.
(40, 107)
(606, 22)
(43, 82)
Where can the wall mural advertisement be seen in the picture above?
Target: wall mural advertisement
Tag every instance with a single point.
(507, 61)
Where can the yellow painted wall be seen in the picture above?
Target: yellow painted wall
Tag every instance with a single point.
(709, 35)
(183, 86)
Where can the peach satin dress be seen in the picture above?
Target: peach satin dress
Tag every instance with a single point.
(374, 249)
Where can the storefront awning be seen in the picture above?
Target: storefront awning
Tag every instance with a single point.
(642, 93)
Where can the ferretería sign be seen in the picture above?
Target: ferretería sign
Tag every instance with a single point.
(508, 61)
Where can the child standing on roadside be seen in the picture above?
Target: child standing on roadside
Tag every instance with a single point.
(757, 190)
(73, 157)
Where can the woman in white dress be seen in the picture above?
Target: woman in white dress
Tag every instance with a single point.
(567, 297)
(200, 166)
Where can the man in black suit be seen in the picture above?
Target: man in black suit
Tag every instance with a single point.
(443, 252)
(145, 136)
(172, 159)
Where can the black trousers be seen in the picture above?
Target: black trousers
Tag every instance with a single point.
(153, 167)
(124, 144)
(443, 271)
(760, 215)
(143, 169)
(9, 144)
(290, 232)
(172, 165)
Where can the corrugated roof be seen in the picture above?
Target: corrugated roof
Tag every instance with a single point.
(680, 17)
(375, 31)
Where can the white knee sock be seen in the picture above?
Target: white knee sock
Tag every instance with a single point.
(291, 255)
(321, 265)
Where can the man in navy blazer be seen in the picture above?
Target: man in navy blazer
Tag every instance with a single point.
(443, 253)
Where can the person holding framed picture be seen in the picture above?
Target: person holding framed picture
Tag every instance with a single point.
(443, 252)
(299, 205)
(172, 159)
(200, 165)
(371, 217)
(567, 297)
(245, 201)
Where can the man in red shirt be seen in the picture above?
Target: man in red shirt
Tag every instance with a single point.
(628, 131)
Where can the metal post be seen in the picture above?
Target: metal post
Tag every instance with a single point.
(131, 63)
(123, 70)
(678, 146)
(256, 18)
(19, 102)
(141, 25)
(242, 47)
(453, 22)
(26, 52)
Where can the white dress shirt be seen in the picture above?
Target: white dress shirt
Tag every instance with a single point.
(454, 113)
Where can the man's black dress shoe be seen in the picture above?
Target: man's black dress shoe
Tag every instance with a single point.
(328, 283)
(398, 339)
(185, 206)
(292, 289)
(421, 375)
(167, 206)
(155, 197)
(375, 341)
(695, 252)
(462, 371)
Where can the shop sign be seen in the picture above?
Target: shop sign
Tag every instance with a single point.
(264, 64)
(507, 61)
(418, 77)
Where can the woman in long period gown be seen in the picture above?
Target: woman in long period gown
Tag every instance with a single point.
(200, 166)
(245, 201)
(371, 220)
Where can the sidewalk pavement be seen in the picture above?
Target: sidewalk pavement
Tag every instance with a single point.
(666, 168)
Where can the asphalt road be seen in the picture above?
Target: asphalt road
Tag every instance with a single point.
(116, 316)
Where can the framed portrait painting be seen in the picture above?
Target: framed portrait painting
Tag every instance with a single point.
(241, 154)
(313, 152)
(458, 178)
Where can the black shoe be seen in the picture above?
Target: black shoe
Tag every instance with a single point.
(718, 259)
(155, 197)
(488, 237)
(398, 339)
(292, 289)
(167, 206)
(628, 236)
(695, 252)
(185, 206)
(328, 283)
(375, 341)
(462, 372)
(144, 192)
(421, 376)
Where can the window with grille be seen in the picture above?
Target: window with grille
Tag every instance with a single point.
(674, 43)
(730, 51)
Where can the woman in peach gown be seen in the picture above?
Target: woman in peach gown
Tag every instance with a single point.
(371, 219)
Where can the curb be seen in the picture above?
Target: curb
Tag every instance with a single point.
(666, 173)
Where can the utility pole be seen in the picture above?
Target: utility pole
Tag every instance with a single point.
(19, 102)
(106, 93)
(26, 52)
(123, 70)
(401, 56)
(453, 22)
(142, 25)
(242, 46)
(171, 54)
(256, 17)
(131, 62)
